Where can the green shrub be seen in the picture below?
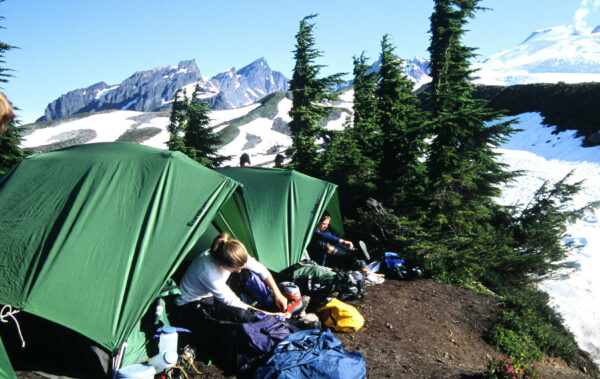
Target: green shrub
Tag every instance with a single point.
(518, 346)
(530, 314)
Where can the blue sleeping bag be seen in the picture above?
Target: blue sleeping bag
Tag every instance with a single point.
(312, 354)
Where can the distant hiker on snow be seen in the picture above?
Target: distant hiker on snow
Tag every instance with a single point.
(279, 161)
(245, 160)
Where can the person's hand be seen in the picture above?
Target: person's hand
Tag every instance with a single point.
(281, 302)
(347, 243)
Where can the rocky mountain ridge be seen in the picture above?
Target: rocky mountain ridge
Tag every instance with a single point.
(152, 90)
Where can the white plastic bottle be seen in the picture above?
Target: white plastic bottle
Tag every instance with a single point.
(162, 361)
(168, 339)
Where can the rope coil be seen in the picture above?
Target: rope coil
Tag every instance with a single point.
(7, 311)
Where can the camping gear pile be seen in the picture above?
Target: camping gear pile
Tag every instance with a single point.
(91, 235)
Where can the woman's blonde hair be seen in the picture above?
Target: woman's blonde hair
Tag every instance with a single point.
(6, 113)
(229, 252)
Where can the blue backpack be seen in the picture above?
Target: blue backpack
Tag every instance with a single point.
(312, 354)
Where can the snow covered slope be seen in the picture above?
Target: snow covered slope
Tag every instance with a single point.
(546, 156)
(561, 53)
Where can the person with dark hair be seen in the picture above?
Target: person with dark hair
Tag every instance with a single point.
(245, 160)
(279, 161)
(207, 276)
(6, 113)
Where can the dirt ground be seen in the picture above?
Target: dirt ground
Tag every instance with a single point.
(426, 329)
(421, 329)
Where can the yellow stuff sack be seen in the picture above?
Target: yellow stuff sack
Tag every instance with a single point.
(341, 317)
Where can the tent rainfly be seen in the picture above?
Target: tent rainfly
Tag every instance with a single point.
(90, 234)
(284, 207)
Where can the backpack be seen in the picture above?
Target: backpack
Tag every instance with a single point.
(322, 283)
(314, 280)
(292, 293)
(312, 354)
(341, 317)
(350, 286)
(251, 289)
(393, 267)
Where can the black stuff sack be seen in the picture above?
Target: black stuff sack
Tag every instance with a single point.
(350, 286)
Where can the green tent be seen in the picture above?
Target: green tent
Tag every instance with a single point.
(284, 207)
(6, 369)
(90, 234)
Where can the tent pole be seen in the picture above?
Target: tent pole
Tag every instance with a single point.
(118, 359)
(226, 224)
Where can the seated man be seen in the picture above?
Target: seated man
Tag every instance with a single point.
(332, 251)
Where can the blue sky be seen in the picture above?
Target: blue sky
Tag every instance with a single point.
(70, 44)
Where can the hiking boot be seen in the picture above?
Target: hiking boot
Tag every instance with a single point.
(363, 249)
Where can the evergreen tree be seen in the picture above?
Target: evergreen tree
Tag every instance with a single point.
(463, 173)
(402, 136)
(345, 165)
(348, 156)
(464, 176)
(309, 92)
(200, 140)
(177, 121)
(10, 153)
(364, 129)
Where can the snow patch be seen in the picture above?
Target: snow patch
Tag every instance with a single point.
(103, 92)
(130, 104)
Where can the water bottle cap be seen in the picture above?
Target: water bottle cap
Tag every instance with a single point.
(169, 329)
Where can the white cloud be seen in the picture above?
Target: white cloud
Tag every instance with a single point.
(583, 11)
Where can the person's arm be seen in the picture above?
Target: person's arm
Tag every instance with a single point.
(326, 236)
(280, 300)
(263, 272)
(222, 292)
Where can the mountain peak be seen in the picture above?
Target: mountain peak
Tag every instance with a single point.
(259, 64)
(553, 33)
